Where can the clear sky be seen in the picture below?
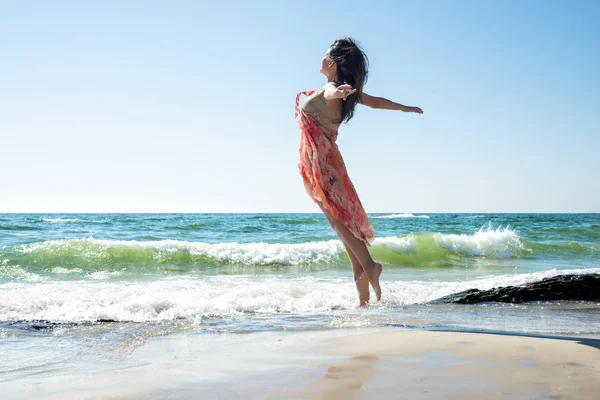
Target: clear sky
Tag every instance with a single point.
(187, 106)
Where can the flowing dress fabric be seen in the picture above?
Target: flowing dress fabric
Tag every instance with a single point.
(325, 177)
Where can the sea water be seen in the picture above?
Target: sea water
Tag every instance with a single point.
(92, 287)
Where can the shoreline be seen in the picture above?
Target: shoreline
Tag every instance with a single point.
(337, 363)
(588, 339)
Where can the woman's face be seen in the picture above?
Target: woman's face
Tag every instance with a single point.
(328, 67)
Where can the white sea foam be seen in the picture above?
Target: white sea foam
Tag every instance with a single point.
(400, 245)
(221, 296)
(61, 220)
(102, 275)
(402, 216)
(488, 242)
(61, 270)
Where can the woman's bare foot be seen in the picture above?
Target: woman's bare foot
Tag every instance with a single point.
(374, 272)
(362, 285)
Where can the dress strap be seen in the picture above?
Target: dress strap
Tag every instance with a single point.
(298, 100)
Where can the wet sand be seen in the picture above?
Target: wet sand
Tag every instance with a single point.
(336, 364)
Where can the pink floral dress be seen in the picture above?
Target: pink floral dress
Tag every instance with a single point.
(322, 167)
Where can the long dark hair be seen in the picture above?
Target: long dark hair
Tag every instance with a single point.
(352, 68)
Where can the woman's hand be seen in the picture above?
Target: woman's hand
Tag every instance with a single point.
(415, 110)
(343, 91)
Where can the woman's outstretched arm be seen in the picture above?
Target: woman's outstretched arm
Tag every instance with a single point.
(385, 104)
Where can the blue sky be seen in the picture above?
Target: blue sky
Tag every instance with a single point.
(188, 106)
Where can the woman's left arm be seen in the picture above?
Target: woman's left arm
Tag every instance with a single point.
(385, 104)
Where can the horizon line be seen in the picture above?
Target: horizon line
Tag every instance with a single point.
(300, 212)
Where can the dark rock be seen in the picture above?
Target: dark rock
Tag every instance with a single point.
(562, 287)
(41, 325)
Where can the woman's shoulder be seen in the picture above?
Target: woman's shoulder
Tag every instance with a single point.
(328, 85)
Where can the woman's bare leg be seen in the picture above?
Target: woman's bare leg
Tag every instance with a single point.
(360, 251)
(360, 277)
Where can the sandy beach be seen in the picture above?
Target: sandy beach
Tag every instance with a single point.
(335, 364)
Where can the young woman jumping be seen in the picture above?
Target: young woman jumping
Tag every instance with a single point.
(321, 165)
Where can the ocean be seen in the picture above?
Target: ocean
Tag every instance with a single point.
(84, 290)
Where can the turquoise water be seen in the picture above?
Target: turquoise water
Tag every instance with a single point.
(133, 247)
(94, 284)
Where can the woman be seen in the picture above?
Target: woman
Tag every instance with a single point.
(321, 165)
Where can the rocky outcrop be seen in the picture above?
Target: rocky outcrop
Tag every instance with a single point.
(561, 287)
